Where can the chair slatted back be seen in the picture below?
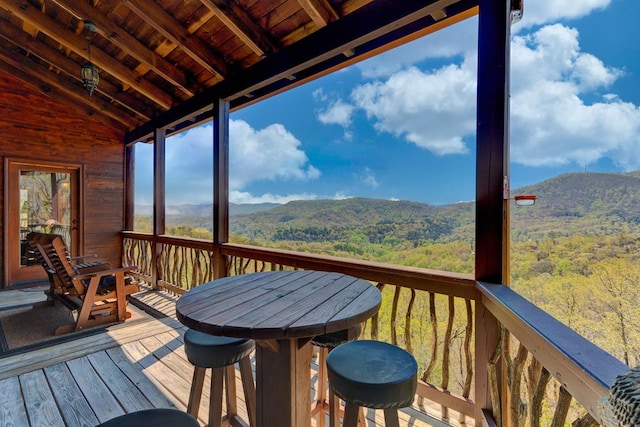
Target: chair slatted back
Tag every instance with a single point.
(38, 242)
(58, 256)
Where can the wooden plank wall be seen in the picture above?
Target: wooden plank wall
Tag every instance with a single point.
(33, 126)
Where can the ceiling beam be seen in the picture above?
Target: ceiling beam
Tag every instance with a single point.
(14, 35)
(77, 44)
(167, 46)
(320, 11)
(376, 25)
(241, 24)
(128, 43)
(48, 84)
(169, 27)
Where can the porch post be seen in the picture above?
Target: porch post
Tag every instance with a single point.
(220, 184)
(159, 184)
(129, 186)
(492, 172)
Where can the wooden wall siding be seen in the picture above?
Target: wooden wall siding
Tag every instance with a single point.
(34, 126)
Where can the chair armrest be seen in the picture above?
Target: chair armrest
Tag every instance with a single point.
(109, 272)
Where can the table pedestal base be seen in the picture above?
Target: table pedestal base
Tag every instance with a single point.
(283, 382)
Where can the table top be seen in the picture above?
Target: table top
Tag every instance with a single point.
(279, 305)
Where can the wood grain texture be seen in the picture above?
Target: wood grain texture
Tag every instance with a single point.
(74, 408)
(278, 305)
(154, 366)
(39, 401)
(98, 395)
(12, 412)
(53, 132)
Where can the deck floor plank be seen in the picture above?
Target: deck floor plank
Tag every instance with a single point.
(130, 398)
(39, 401)
(104, 404)
(173, 383)
(74, 408)
(128, 367)
(181, 368)
(145, 384)
(12, 412)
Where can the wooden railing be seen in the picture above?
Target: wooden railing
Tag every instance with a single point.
(433, 315)
(546, 350)
(411, 298)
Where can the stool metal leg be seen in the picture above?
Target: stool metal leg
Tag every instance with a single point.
(196, 391)
(215, 402)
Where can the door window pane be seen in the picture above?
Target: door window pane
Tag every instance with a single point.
(45, 206)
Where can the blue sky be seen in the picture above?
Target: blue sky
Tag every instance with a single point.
(402, 125)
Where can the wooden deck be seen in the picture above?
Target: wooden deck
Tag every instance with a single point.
(127, 368)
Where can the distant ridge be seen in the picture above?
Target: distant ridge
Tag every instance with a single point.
(573, 203)
(587, 203)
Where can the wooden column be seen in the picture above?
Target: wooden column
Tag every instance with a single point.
(159, 197)
(220, 184)
(492, 171)
(129, 186)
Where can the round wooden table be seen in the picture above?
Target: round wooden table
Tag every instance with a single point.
(282, 311)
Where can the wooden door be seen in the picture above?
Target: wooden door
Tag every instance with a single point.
(42, 197)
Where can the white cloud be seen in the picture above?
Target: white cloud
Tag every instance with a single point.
(272, 153)
(561, 111)
(337, 112)
(449, 42)
(341, 195)
(189, 158)
(551, 122)
(245, 197)
(545, 11)
(367, 178)
(433, 110)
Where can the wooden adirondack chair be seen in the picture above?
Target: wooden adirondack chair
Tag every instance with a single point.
(37, 240)
(96, 294)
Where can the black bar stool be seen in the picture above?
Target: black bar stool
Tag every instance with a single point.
(372, 374)
(220, 354)
(325, 344)
(153, 417)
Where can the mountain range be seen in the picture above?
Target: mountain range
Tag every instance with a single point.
(587, 203)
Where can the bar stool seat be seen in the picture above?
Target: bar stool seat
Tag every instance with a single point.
(220, 354)
(158, 417)
(372, 374)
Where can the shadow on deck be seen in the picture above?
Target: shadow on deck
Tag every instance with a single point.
(128, 367)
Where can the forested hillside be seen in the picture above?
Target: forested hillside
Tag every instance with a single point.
(578, 203)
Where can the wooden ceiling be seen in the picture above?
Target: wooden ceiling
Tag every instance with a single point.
(162, 63)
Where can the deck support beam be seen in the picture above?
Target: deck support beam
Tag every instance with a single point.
(129, 186)
(220, 184)
(159, 198)
(492, 173)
